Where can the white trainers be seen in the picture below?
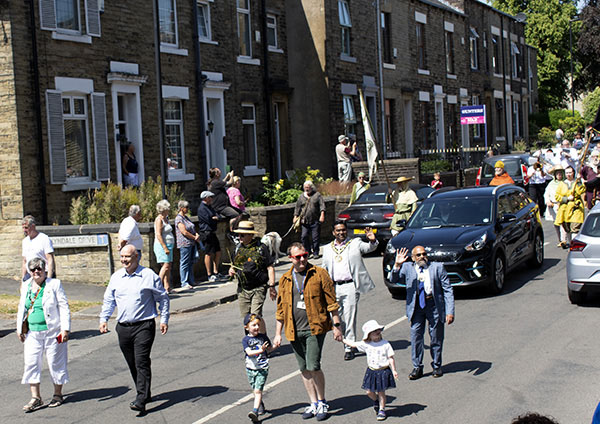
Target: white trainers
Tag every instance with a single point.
(309, 412)
(322, 411)
(212, 278)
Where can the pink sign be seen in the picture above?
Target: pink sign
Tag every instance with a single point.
(470, 120)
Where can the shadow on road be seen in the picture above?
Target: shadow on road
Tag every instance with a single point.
(284, 349)
(6, 332)
(403, 410)
(84, 334)
(400, 344)
(182, 395)
(98, 394)
(349, 404)
(475, 367)
(289, 409)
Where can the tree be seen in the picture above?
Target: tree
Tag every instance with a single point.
(547, 29)
(588, 48)
(591, 104)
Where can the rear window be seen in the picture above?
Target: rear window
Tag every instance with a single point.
(372, 197)
(591, 226)
(512, 166)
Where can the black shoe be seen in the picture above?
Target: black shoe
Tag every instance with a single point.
(261, 409)
(134, 406)
(253, 415)
(416, 373)
(437, 372)
(348, 356)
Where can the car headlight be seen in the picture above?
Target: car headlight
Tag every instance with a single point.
(389, 248)
(476, 244)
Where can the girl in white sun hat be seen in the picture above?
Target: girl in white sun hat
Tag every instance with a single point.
(381, 370)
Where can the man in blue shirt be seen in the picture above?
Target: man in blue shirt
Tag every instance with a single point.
(135, 290)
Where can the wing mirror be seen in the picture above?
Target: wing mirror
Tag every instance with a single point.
(508, 217)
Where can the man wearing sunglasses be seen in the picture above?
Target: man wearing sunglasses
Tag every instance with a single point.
(304, 305)
(429, 296)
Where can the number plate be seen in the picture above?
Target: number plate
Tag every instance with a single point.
(362, 231)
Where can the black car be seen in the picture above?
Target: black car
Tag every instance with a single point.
(373, 210)
(514, 164)
(478, 233)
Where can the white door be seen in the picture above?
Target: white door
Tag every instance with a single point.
(408, 129)
(439, 124)
(215, 131)
(128, 126)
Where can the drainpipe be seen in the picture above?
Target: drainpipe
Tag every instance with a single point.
(200, 79)
(159, 98)
(272, 166)
(38, 111)
(380, 62)
(504, 80)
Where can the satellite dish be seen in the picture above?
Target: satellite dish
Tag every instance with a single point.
(521, 17)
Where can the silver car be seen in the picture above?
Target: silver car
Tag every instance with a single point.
(583, 261)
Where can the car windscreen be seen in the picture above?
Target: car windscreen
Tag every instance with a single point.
(423, 192)
(372, 197)
(511, 166)
(453, 212)
(591, 226)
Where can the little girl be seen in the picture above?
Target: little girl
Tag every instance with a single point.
(381, 370)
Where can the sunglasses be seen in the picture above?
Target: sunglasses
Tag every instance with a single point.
(36, 269)
(298, 257)
(420, 254)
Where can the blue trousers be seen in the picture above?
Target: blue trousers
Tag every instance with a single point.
(314, 230)
(417, 332)
(186, 264)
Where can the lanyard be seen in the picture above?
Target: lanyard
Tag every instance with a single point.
(301, 292)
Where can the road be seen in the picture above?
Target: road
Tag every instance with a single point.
(528, 349)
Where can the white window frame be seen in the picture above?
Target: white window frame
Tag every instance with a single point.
(244, 11)
(179, 123)
(346, 26)
(515, 113)
(514, 57)
(473, 49)
(205, 5)
(79, 117)
(449, 48)
(272, 25)
(48, 21)
(349, 114)
(69, 31)
(164, 43)
(496, 40)
(253, 123)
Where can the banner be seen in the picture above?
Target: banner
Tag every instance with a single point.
(472, 115)
(369, 136)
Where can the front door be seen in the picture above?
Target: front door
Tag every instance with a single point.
(128, 126)
(215, 132)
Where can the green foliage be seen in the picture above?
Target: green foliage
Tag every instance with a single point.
(520, 145)
(541, 119)
(587, 48)
(300, 175)
(558, 115)
(591, 104)
(110, 204)
(546, 136)
(278, 193)
(572, 125)
(547, 29)
(436, 165)
(254, 204)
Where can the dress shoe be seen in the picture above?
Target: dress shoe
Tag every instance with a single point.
(415, 374)
(134, 406)
(437, 372)
(348, 356)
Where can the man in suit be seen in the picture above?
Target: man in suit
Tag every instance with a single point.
(342, 258)
(429, 296)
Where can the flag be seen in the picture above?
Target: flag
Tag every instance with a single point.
(369, 136)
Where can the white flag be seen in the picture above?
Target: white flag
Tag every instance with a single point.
(369, 136)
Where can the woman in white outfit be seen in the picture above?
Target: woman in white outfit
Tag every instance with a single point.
(551, 205)
(44, 305)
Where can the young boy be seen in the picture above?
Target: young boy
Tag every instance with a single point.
(436, 183)
(256, 347)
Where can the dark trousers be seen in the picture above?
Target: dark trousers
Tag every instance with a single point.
(135, 341)
(314, 230)
(536, 192)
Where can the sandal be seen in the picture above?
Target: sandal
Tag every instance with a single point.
(33, 404)
(57, 400)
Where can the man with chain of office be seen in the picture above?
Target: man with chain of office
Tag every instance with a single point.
(342, 258)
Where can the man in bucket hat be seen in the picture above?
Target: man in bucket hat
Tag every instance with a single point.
(253, 266)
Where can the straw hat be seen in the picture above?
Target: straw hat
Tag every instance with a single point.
(369, 327)
(403, 179)
(499, 164)
(556, 168)
(245, 227)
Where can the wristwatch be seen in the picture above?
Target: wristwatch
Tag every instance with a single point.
(337, 324)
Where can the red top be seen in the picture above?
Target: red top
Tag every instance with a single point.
(437, 184)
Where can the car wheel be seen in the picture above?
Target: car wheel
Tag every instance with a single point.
(498, 274)
(576, 297)
(537, 258)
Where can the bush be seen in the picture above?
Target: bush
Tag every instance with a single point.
(546, 136)
(110, 204)
(541, 119)
(436, 165)
(591, 104)
(557, 115)
(300, 175)
(520, 145)
(572, 125)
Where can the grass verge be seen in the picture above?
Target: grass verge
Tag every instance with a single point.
(10, 303)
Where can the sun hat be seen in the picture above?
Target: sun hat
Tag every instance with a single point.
(403, 179)
(370, 326)
(206, 194)
(555, 169)
(342, 137)
(245, 227)
(499, 164)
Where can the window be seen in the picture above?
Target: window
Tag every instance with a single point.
(516, 120)
(421, 64)
(244, 32)
(249, 130)
(272, 32)
(76, 136)
(389, 108)
(386, 35)
(204, 31)
(449, 44)
(346, 24)
(67, 15)
(168, 22)
(477, 128)
(424, 124)
(64, 18)
(499, 118)
(349, 115)
(485, 53)
(515, 57)
(496, 56)
(174, 134)
(473, 39)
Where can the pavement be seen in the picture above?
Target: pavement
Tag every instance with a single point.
(204, 295)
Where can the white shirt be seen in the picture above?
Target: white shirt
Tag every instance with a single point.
(37, 247)
(535, 176)
(129, 231)
(571, 161)
(341, 270)
(378, 353)
(425, 276)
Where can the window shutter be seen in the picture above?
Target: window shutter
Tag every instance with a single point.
(100, 137)
(48, 14)
(92, 17)
(56, 137)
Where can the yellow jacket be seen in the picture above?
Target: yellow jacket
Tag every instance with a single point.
(569, 210)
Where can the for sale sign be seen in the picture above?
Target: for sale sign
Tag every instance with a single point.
(471, 115)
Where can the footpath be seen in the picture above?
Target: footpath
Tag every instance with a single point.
(204, 295)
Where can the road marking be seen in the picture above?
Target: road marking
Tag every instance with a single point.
(269, 386)
(547, 243)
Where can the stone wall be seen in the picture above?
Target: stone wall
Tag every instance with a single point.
(394, 167)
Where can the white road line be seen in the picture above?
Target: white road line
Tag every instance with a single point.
(269, 386)
(547, 243)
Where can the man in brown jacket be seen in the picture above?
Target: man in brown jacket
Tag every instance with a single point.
(306, 300)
